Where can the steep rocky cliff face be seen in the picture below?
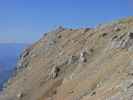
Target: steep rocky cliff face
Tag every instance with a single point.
(77, 64)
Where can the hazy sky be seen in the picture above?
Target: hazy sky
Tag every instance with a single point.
(26, 20)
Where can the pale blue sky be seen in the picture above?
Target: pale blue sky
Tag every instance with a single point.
(25, 21)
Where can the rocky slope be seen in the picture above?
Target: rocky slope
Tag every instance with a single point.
(77, 64)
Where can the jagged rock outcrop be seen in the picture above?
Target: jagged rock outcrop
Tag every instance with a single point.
(124, 41)
(77, 64)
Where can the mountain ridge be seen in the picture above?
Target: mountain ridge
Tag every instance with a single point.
(76, 64)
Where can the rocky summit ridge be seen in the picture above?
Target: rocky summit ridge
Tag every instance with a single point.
(76, 64)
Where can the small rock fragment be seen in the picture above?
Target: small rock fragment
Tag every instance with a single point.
(60, 28)
(117, 28)
(93, 93)
(59, 36)
(114, 37)
(20, 95)
(25, 53)
(131, 85)
(91, 50)
(130, 34)
(54, 73)
(83, 56)
(87, 29)
(72, 60)
(104, 34)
